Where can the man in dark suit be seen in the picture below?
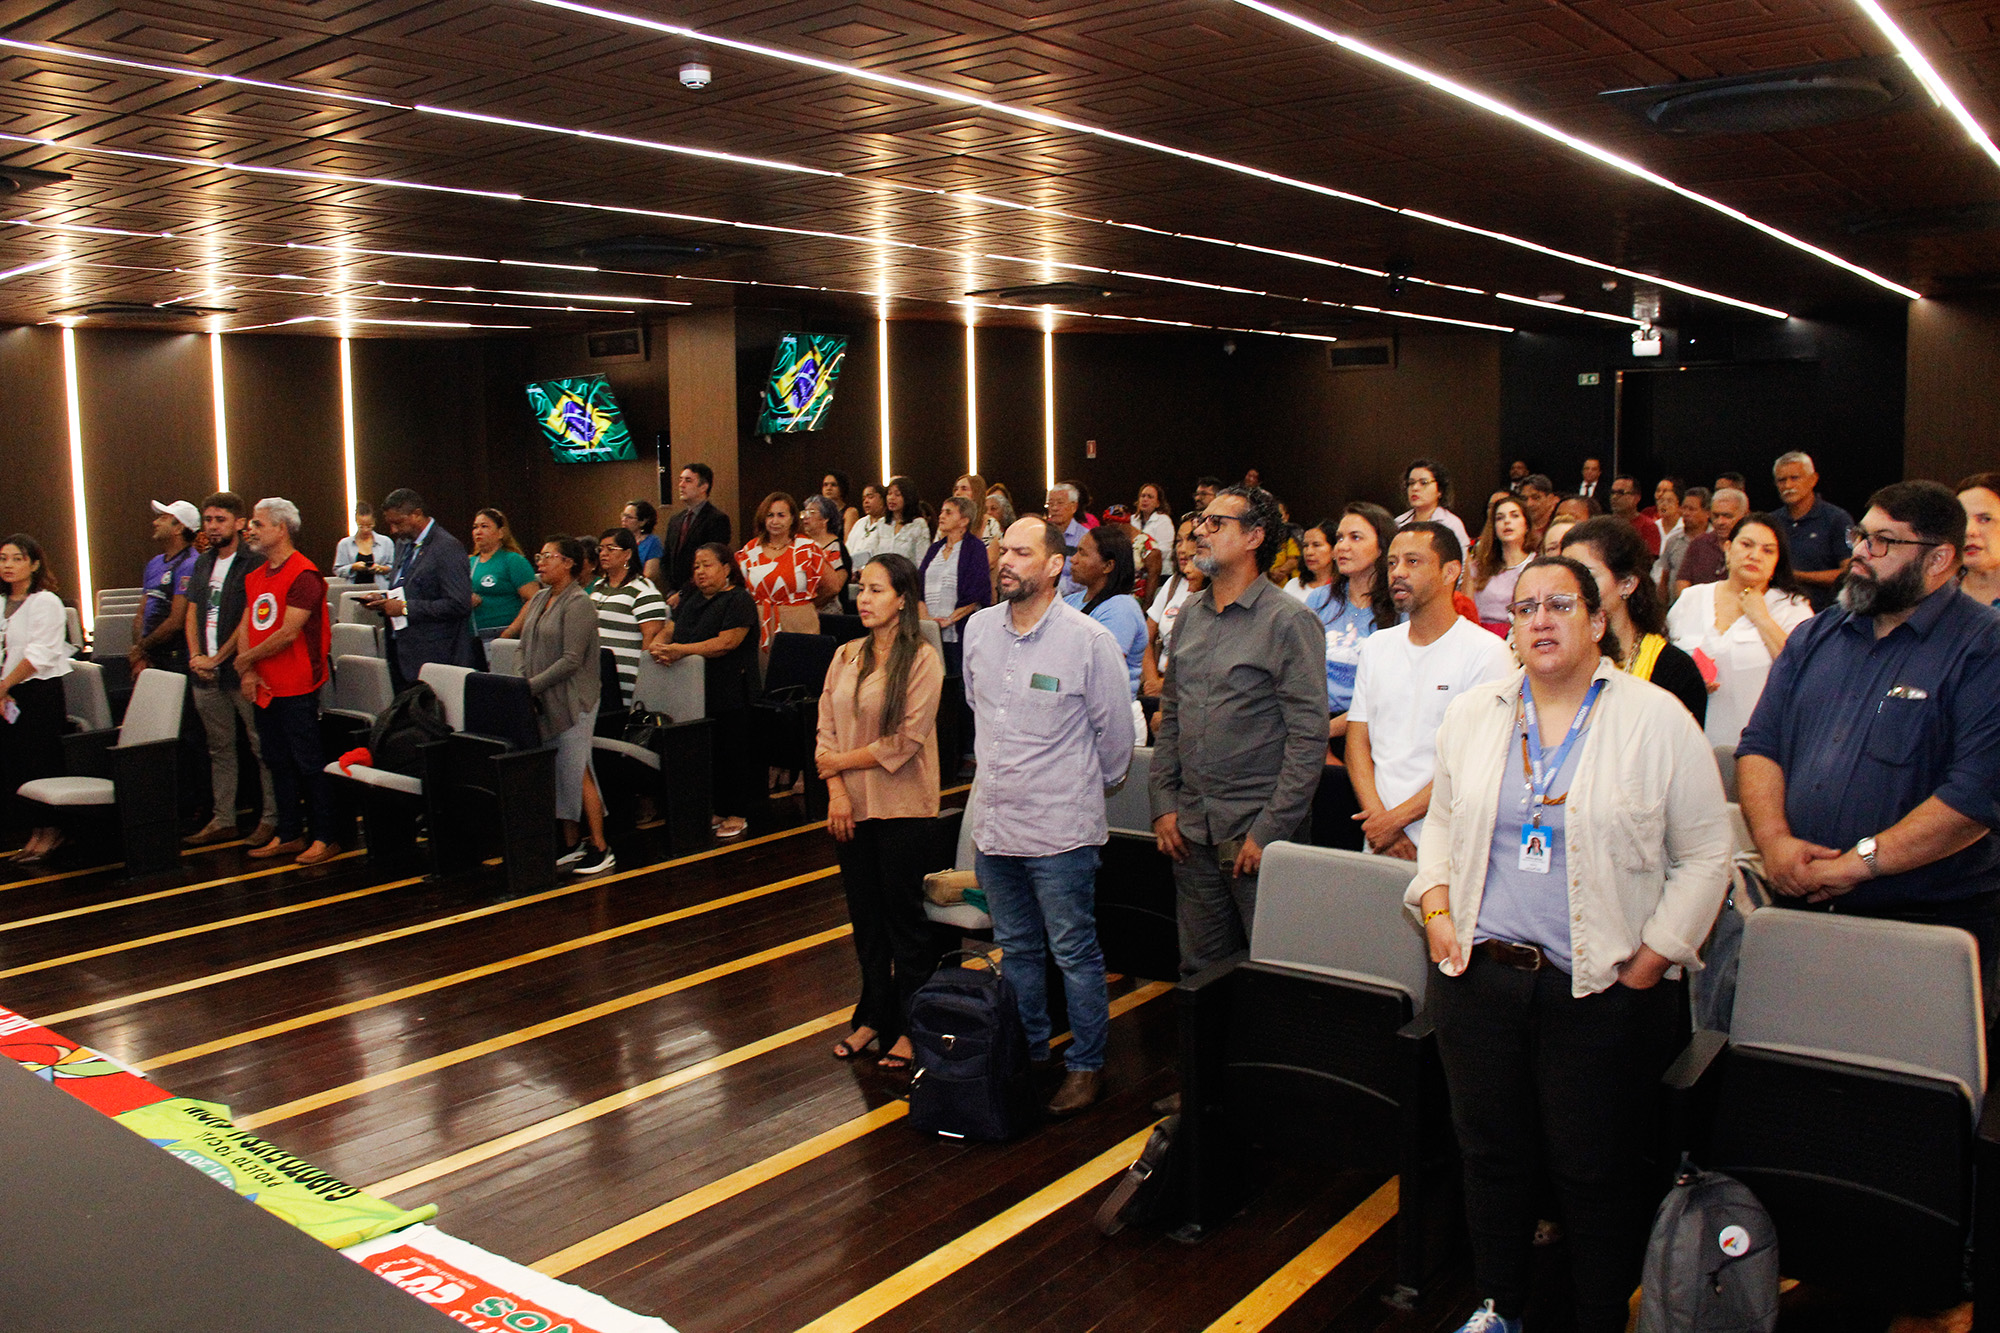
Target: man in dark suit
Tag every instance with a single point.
(429, 602)
(693, 527)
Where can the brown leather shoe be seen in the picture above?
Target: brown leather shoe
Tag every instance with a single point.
(277, 848)
(1081, 1089)
(318, 852)
(214, 833)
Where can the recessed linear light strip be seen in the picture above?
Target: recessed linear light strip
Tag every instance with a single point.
(362, 290)
(1928, 75)
(945, 94)
(390, 183)
(773, 164)
(1492, 105)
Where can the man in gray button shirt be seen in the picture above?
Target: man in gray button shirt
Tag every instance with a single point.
(1053, 703)
(1243, 726)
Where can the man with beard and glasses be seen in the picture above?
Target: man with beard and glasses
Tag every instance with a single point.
(1053, 706)
(1870, 771)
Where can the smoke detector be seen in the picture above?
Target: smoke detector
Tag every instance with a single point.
(695, 76)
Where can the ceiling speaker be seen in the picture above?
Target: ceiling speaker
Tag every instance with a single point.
(1800, 98)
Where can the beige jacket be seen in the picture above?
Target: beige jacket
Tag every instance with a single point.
(1647, 830)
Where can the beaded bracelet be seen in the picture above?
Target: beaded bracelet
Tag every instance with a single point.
(1435, 913)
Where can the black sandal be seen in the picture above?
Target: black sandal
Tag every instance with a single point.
(895, 1064)
(845, 1049)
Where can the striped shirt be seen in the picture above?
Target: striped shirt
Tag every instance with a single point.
(621, 612)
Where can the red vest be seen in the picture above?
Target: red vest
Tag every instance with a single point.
(300, 667)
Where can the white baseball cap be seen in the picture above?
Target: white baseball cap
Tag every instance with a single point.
(184, 513)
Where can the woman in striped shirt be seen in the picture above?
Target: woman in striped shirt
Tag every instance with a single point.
(631, 614)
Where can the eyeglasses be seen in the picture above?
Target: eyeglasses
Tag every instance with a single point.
(1558, 603)
(1214, 522)
(1878, 543)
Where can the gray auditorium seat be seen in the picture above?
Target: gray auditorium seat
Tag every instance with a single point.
(675, 769)
(352, 639)
(132, 770)
(1725, 763)
(350, 611)
(1340, 914)
(503, 657)
(361, 688)
(84, 697)
(113, 637)
(961, 916)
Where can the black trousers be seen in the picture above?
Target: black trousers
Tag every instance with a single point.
(288, 729)
(31, 747)
(1543, 1081)
(736, 786)
(882, 869)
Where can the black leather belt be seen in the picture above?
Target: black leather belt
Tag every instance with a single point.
(1520, 957)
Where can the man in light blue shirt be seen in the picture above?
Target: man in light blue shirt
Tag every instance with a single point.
(1049, 691)
(1063, 500)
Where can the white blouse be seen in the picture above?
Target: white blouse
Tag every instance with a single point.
(1742, 662)
(37, 633)
(909, 541)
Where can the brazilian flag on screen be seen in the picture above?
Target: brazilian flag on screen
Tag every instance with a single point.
(801, 385)
(581, 420)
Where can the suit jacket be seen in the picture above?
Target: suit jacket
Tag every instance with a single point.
(228, 614)
(437, 590)
(710, 524)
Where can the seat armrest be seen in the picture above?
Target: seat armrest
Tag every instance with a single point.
(87, 754)
(1695, 1060)
(1420, 1028)
(1213, 977)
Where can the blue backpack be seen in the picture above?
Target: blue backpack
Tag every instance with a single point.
(971, 1078)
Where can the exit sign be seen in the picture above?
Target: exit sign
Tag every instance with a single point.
(1588, 378)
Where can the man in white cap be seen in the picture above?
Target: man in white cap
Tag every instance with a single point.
(159, 633)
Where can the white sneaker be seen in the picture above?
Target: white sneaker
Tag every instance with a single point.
(1486, 1319)
(574, 855)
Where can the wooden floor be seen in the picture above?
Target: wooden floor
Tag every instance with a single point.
(627, 1082)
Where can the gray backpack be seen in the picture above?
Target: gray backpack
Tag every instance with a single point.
(1712, 1262)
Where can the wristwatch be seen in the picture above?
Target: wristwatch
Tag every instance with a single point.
(1865, 849)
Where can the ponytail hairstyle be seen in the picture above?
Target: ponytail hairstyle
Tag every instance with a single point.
(1114, 547)
(903, 581)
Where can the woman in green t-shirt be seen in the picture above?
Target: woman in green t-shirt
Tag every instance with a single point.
(502, 578)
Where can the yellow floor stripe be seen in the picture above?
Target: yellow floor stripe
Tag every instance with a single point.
(156, 896)
(187, 932)
(157, 1062)
(400, 932)
(617, 1101)
(417, 1069)
(1278, 1292)
(983, 1239)
(115, 865)
(742, 1181)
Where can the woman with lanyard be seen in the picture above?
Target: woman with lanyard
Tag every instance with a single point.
(34, 657)
(1577, 849)
(1610, 548)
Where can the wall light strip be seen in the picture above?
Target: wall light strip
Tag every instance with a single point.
(971, 398)
(772, 164)
(882, 388)
(86, 602)
(1049, 405)
(1932, 80)
(1032, 116)
(1494, 106)
(347, 426)
(1039, 266)
(221, 413)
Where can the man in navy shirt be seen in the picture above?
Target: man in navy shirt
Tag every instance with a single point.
(1816, 530)
(1870, 771)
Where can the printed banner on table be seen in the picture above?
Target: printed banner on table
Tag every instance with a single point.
(91, 1077)
(486, 1292)
(321, 1205)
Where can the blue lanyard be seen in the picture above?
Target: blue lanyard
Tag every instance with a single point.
(1541, 773)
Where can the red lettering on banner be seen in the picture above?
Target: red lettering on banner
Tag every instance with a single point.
(470, 1300)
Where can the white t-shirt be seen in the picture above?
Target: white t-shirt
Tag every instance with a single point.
(212, 615)
(1161, 529)
(1401, 692)
(1742, 662)
(1167, 604)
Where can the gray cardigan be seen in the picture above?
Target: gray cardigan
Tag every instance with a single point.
(559, 656)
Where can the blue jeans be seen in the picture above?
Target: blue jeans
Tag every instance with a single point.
(1042, 905)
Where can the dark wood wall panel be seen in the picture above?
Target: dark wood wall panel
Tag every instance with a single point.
(420, 421)
(148, 414)
(283, 397)
(1158, 405)
(927, 404)
(1010, 410)
(34, 432)
(546, 496)
(1952, 413)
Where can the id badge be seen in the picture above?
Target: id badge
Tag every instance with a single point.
(1535, 849)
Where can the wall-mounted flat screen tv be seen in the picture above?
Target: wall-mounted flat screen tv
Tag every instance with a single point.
(801, 384)
(581, 420)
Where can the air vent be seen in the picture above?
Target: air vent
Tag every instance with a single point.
(13, 180)
(1053, 293)
(1962, 220)
(1361, 354)
(142, 310)
(1800, 98)
(651, 250)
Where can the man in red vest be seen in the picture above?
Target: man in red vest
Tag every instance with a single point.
(281, 655)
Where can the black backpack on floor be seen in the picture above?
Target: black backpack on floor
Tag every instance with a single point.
(1712, 1261)
(414, 718)
(971, 1078)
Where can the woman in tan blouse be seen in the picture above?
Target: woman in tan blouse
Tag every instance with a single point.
(878, 753)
